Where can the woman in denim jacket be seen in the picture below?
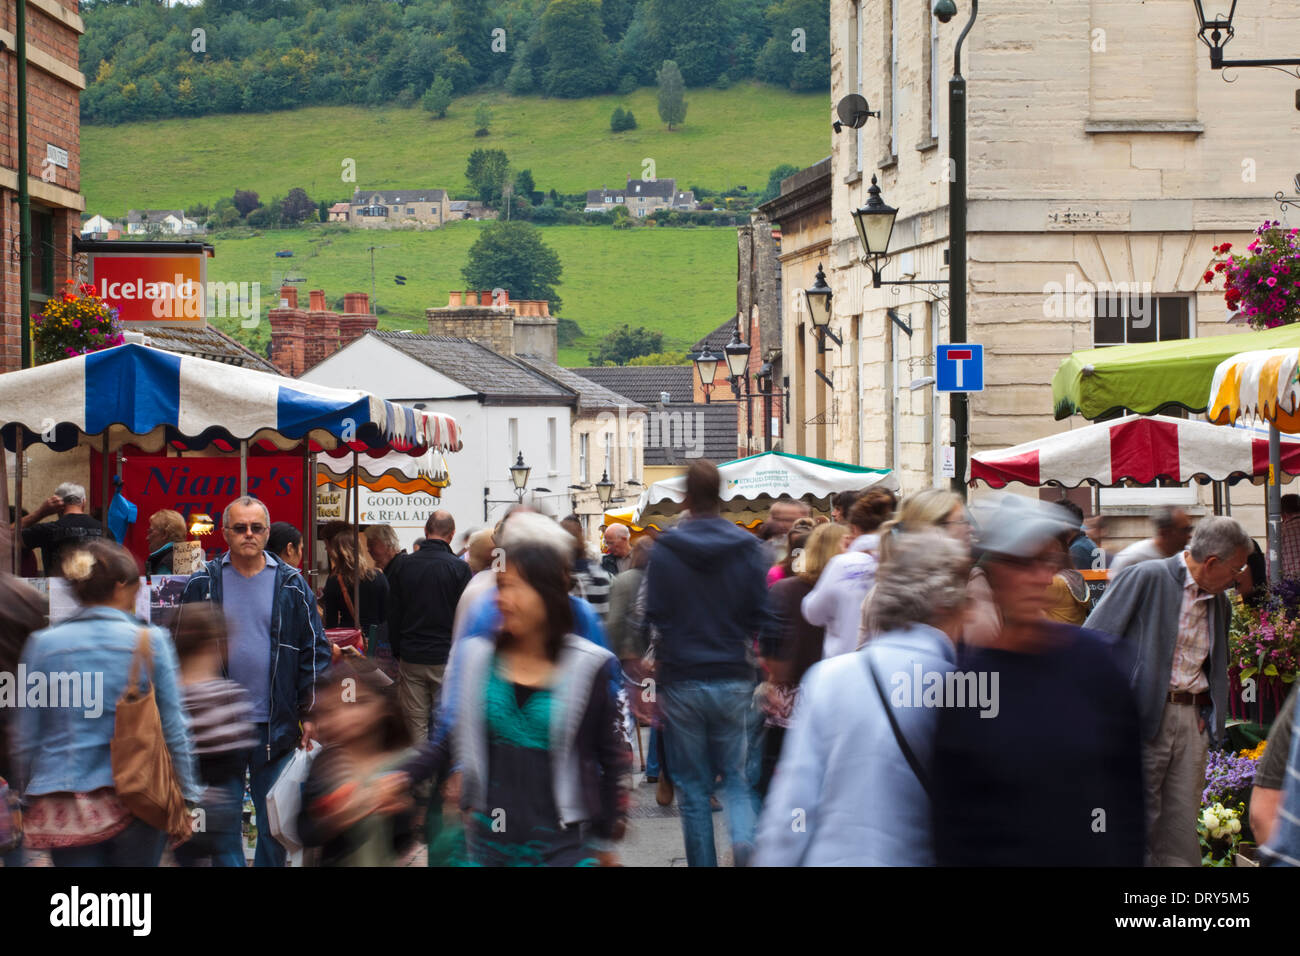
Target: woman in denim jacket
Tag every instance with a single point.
(69, 681)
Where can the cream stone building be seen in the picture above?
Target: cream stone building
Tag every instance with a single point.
(1102, 149)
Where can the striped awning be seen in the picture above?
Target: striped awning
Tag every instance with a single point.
(148, 398)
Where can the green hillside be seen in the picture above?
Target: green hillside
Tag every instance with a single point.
(681, 282)
(731, 137)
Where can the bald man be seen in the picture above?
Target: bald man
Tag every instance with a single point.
(422, 597)
(618, 549)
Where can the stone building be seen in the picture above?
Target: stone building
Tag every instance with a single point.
(54, 85)
(301, 338)
(1102, 149)
(383, 208)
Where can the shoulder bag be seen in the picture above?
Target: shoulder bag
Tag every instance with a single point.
(921, 776)
(143, 775)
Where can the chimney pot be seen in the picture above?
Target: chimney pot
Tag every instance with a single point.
(317, 300)
(454, 301)
(288, 297)
(356, 303)
(485, 298)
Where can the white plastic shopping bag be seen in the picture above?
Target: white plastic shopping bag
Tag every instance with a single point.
(284, 799)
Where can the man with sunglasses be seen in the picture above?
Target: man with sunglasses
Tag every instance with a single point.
(1172, 618)
(276, 650)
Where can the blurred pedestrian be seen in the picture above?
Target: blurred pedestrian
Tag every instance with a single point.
(422, 604)
(72, 526)
(536, 795)
(842, 504)
(350, 565)
(1068, 790)
(707, 599)
(276, 651)
(1290, 536)
(835, 603)
(64, 749)
(590, 580)
(1173, 616)
(385, 550)
(355, 808)
(618, 549)
(802, 527)
(1173, 530)
(22, 611)
(167, 528)
(785, 511)
(794, 645)
(220, 722)
(857, 740)
(1083, 551)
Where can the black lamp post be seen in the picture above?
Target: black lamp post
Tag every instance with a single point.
(736, 355)
(819, 309)
(519, 475)
(604, 490)
(706, 364)
(1220, 30)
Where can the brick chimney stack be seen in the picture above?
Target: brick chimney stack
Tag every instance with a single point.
(523, 327)
(322, 339)
(317, 300)
(356, 320)
(288, 333)
(289, 296)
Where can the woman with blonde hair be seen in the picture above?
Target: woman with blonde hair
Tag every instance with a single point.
(800, 644)
(348, 563)
(934, 509)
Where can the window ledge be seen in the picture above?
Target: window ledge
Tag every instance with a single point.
(888, 163)
(928, 143)
(1143, 126)
(853, 176)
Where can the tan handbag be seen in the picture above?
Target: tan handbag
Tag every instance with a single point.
(143, 775)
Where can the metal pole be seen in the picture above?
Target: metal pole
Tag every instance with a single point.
(309, 559)
(243, 468)
(958, 408)
(103, 500)
(1274, 504)
(18, 499)
(356, 538)
(24, 197)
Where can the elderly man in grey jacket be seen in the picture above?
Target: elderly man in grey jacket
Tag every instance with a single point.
(1173, 617)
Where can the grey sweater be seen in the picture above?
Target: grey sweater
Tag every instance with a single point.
(1141, 608)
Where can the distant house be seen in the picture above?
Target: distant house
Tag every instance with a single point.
(385, 208)
(172, 222)
(97, 227)
(339, 212)
(459, 209)
(642, 197)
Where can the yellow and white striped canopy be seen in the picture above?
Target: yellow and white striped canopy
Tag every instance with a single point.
(1261, 384)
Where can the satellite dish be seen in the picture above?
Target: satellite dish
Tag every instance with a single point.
(853, 111)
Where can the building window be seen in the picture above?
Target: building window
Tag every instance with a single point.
(584, 445)
(631, 456)
(550, 440)
(410, 210)
(1125, 320)
(42, 252)
(893, 77)
(513, 431)
(855, 81)
(609, 447)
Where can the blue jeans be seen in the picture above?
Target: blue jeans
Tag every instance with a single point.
(710, 733)
(138, 845)
(230, 847)
(220, 842)
(652, 754)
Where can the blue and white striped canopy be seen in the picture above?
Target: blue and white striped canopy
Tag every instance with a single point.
(149, 397)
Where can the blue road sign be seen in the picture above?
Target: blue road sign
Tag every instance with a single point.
(959, 368)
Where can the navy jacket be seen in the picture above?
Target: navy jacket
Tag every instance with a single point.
(300, 652)
(707, 596)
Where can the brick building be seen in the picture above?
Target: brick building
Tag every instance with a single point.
(54, 86)
(302, 338)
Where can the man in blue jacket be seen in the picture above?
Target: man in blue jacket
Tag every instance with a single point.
(276, 650)
(707, 596)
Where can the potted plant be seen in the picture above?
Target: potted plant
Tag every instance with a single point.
(1263, 286)
(74, 323)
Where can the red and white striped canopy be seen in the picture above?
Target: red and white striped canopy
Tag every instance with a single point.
(1138, 448)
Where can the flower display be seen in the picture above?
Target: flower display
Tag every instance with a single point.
(1264, 286)
(1228, 776)
(74, 323)
(1220, 828)
(1264, 645)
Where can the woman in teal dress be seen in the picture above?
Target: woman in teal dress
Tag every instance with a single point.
(537, 735)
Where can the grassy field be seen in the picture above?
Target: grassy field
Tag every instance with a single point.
(730, 138)
(681, 282)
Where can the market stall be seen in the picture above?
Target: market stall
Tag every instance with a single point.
(750, 486)
(150, 399)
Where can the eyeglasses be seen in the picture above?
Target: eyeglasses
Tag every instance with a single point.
(254, 529)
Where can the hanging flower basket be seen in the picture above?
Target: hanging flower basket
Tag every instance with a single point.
(1264, 285)
(74, 323)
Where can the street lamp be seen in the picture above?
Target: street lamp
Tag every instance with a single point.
(519, 475)
(706, 363)
(1220, 31)
(819, 309)
(604, 489)
(875, 222)
(737, 353)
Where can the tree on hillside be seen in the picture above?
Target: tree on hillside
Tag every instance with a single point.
(512, 256)
(774, 181)
(246, 201)
(470, 33)
(808, 69)
(672, 92)
(437, 98)
(487, 171)
(482, 120)
(692, 34)
(580, 62)
(297, 206)
(624, 344)
(524, 185)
